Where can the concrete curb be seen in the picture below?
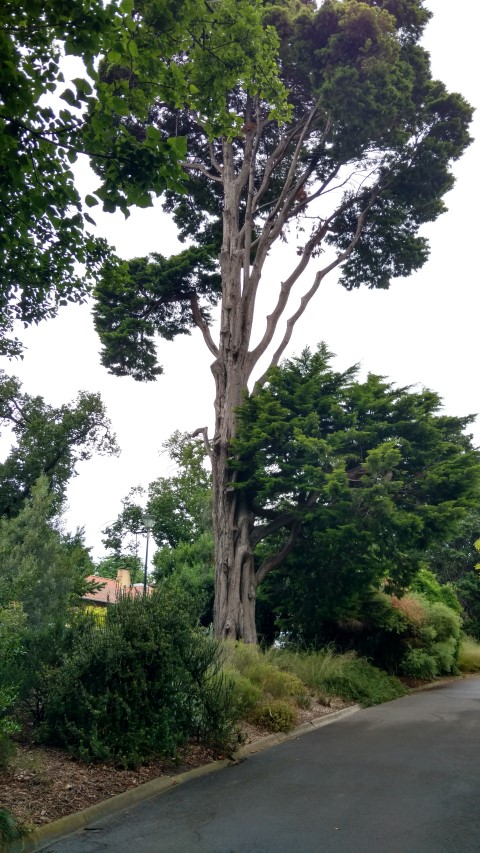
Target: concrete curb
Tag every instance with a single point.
(45, 835)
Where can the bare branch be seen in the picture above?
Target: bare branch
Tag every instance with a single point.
(316, 284)
(213, 159)
(261, 531)
(202, 325)
(283, 297)
(203, 431)
(196, 166)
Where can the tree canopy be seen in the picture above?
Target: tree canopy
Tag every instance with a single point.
(359, 163)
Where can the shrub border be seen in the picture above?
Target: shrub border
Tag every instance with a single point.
(46, 835)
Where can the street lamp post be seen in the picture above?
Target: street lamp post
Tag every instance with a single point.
(148, 522)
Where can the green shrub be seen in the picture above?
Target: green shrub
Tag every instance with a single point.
(469, 655)
(446, 655)
(468, 591)
(244, 695)
(446, 623)
(360, 681)
(8, 726)
(276, 715)
(417, 663)
(429, 587)
(12, 624)
(138, 685)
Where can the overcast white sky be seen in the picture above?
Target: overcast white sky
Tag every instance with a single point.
(424, 330)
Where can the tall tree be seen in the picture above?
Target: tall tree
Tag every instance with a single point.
(351, 170)
(48, 441)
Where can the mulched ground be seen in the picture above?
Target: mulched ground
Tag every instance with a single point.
(43, 784)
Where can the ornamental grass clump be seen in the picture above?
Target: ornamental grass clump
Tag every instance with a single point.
(469, 655)
(346, 675)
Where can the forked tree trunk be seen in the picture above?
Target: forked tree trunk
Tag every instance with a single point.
(241, 267)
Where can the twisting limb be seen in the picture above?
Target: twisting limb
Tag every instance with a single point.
(283, 297)
(261, 531)
(213, 159)
(202, 325)
(278, 558)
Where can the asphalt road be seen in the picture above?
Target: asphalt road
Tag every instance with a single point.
(398, 778)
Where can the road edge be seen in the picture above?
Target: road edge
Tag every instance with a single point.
(52, 832)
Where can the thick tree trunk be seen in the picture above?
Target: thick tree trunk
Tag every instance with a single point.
(232, 520)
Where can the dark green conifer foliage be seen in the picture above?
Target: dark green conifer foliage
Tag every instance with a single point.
(350, 483)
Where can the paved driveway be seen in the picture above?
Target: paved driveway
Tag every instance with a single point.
(399, 778)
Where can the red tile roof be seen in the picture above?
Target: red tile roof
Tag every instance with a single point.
(111, 590)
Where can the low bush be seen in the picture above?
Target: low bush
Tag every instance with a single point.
(417, 663)
(244, 695)
(12, 625)
(469, 655)
(138, 685)
(276, 715)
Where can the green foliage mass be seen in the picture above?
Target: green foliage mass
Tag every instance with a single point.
(147, 296)
(46, 121)
(328, 674)
(12, 629)
(39, 567)
(42, 235)
(138, 685)
(10, 829)
(467, 589)
(42, 577)
(49, 441)
(180, 506)
(109, 566)
(350, 482)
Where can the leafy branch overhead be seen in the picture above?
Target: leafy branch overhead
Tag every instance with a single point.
(144, 297)
(48, 255)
